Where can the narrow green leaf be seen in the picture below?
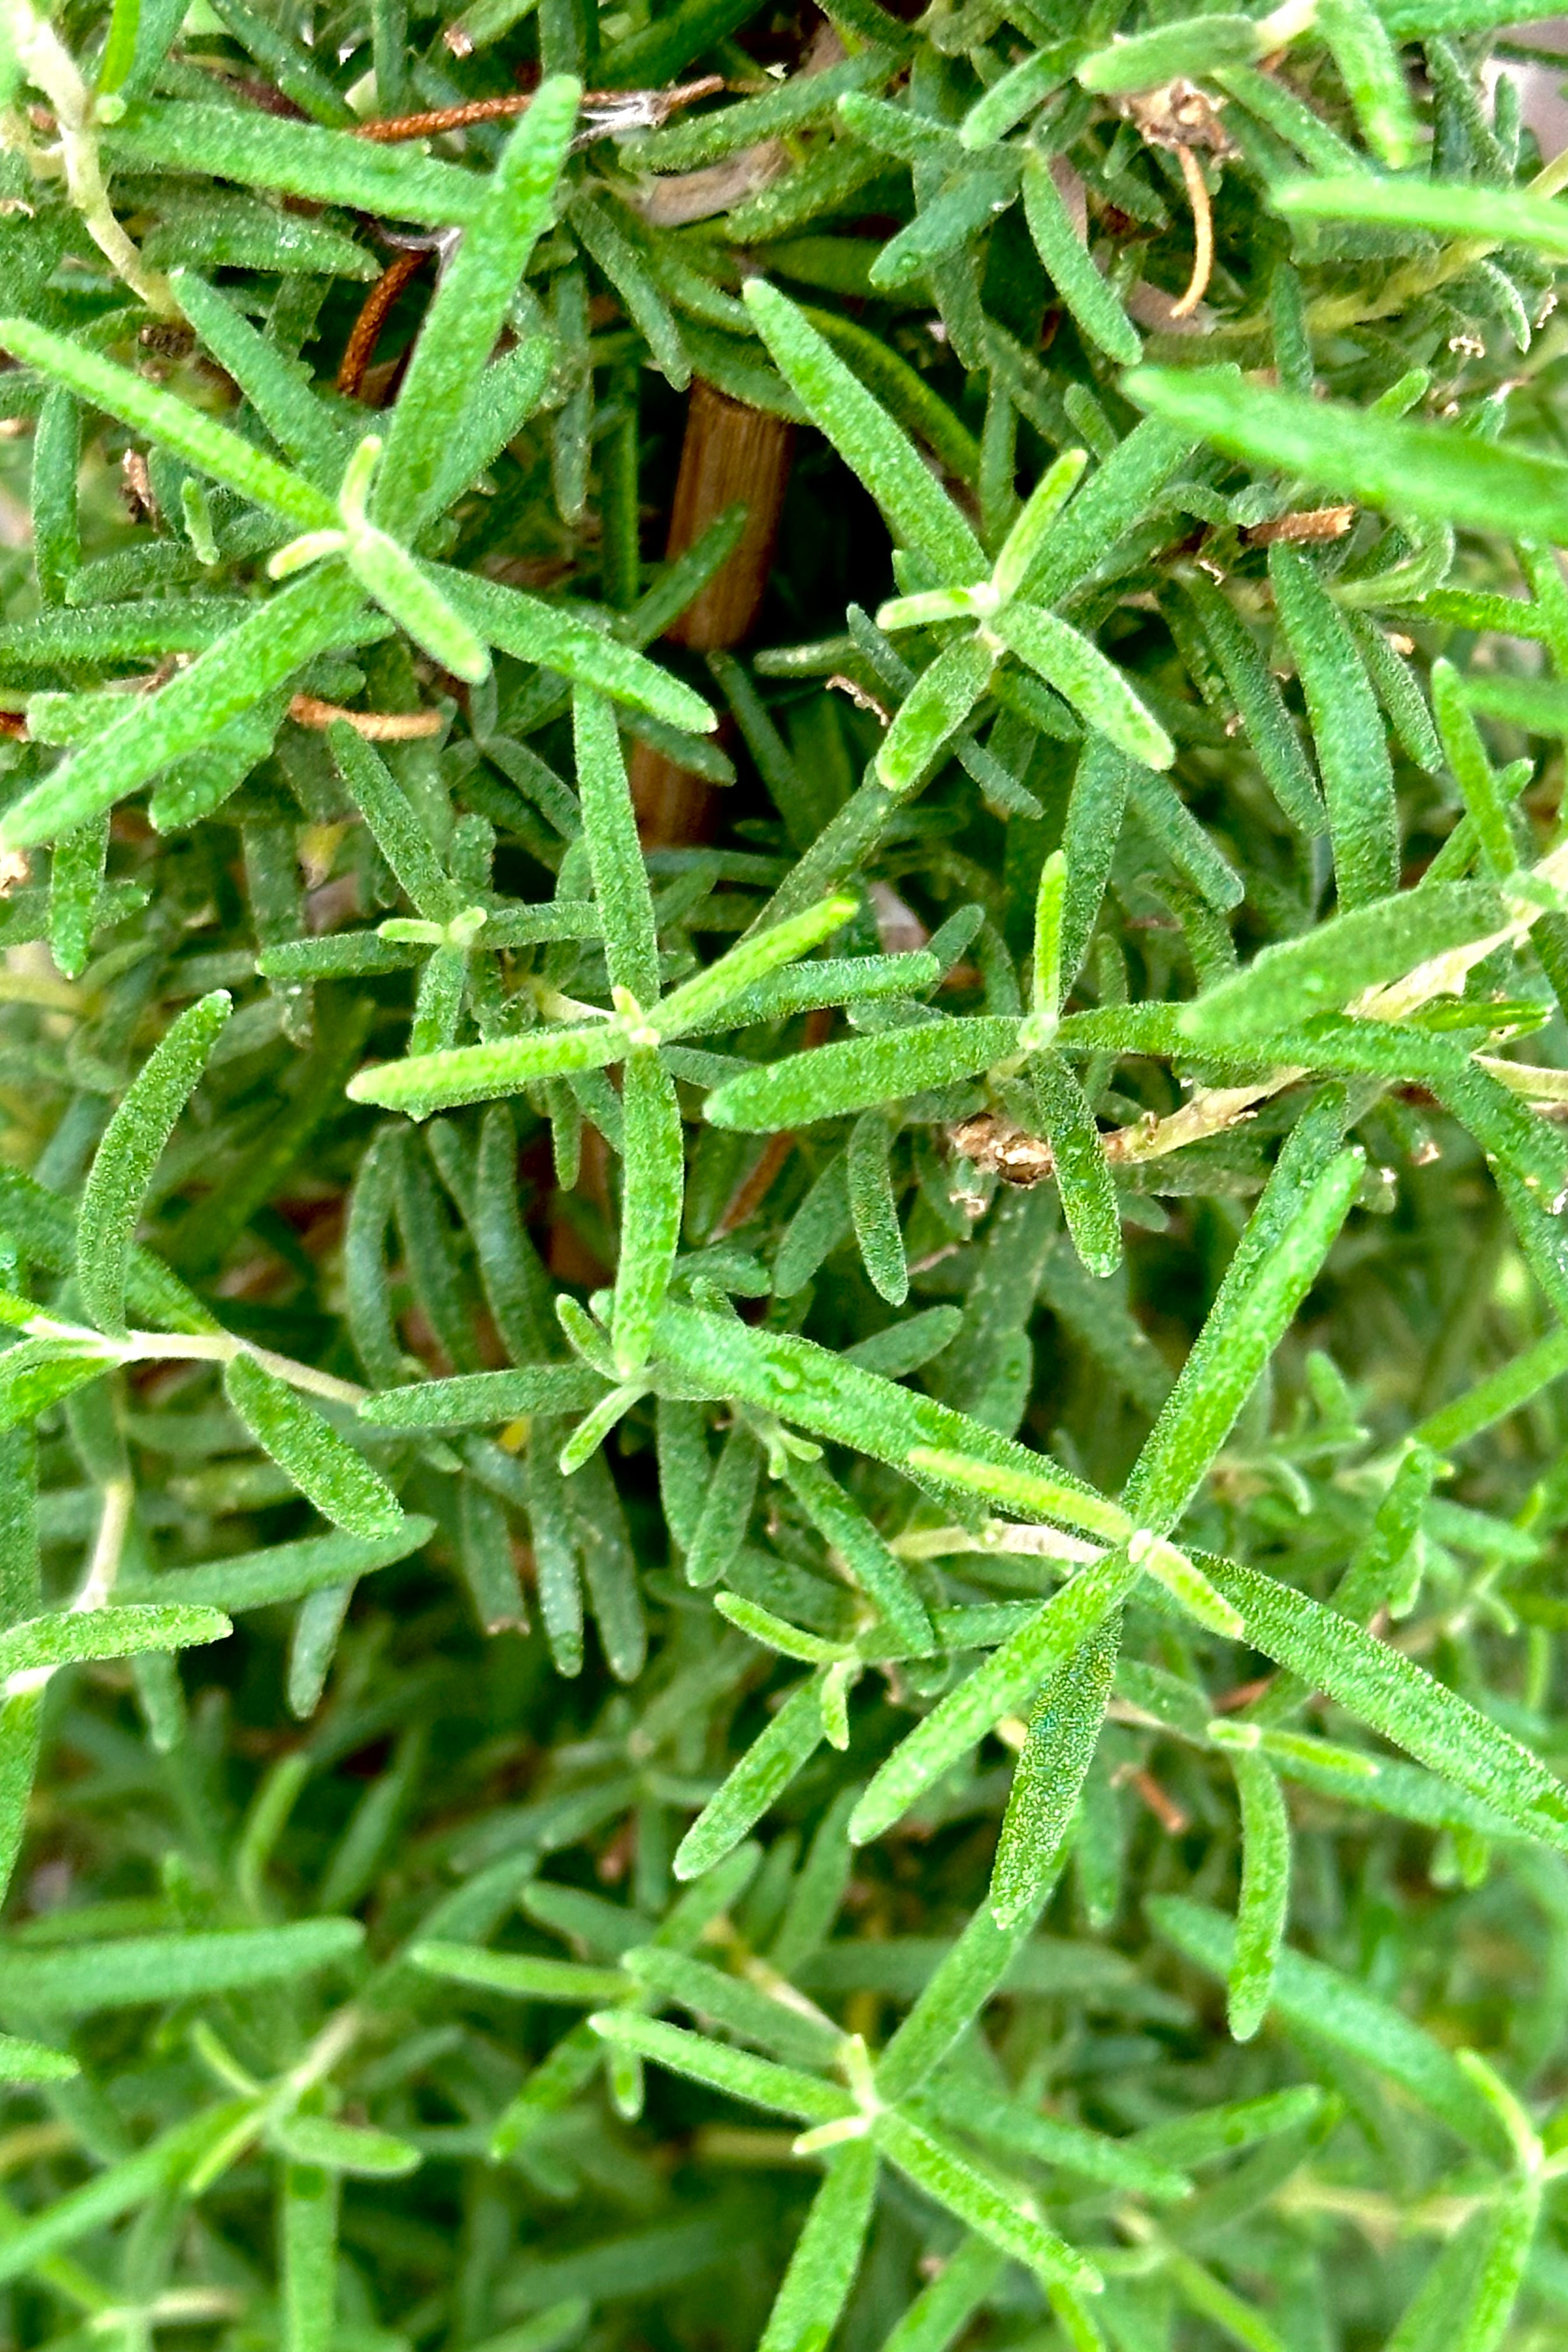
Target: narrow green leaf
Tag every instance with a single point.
(1081, 675)
(614, 853)
(344, 2147)
(866, 437)
(862, 1552)
(280, 395)
(84, 1977)
(468, 1074)
(276, 639)
(1420, 469)
(1265, 1890)
(299, 159)
(1373, 75)
(827, 2254)
(753, 1785)
(756, 2082)
(1095, 311)
(569, 642)
(1269, 728)
(1347, 728)
(1325, 967)
(74, 1637)
(129, 1151)
(859, 1073)
(1004, 1683)
(1191, 47)
(479, 1400)
(259, 1580)
(1294, 1228)
(211, 447)
(1499, 215)
(1385, 1690)
(932, 712)
(654, 1182)
(1001, 2214)
(470, 305)
(1083, 1175)
(339, 1481)
(520, 1974)
(1064, 1731)
(873, 1206)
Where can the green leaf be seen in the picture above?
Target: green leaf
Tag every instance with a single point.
(1384, 1690)
(259, 1580)
(339, 1481)
(999, 2213)
(299, 159)
(479, 1400)
(1269, 729)
(696, 1000)
(1347, 728)
(344, 2147)
(1418, 469)
(614, 853)
(1191, 47)
(1373, 75)
(519, 1974)
(1265, 1890)
(1064, 1732)
(1081, 675)
(932, 712)
(1006, 1680)
(859, 1548)
(1497, 215)
(38, 1373)
(571, 643)
(74, 1637)
(1083, 1174)
(859, 1073)
(404, 588)
(753, 1784)
(276, 639)
(873, 1205)
(211, 447)
(34, 2062)
(654, 1184)
(756, 2082)
(827, 2254)
(467, 1073)
(296, 419)
(84, 1977)
(1095, 311)
(1329, 2008)
(132, 1145)
(1292, 1231)
(470, 305)
(866, 437)
(1338, 959)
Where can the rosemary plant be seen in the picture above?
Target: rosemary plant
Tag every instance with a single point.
(784, 1292)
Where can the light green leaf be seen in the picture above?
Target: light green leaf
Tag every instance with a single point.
(1095, 310)
(211, 447)
(339, 1481)
(859, 1073)
(77, 1636)
(1418, 469)
(1081, 675)
(83, 1978)
(866, 437)
(470, 305)
(129, 1151)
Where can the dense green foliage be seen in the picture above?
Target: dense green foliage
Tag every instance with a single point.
(798, 1586)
